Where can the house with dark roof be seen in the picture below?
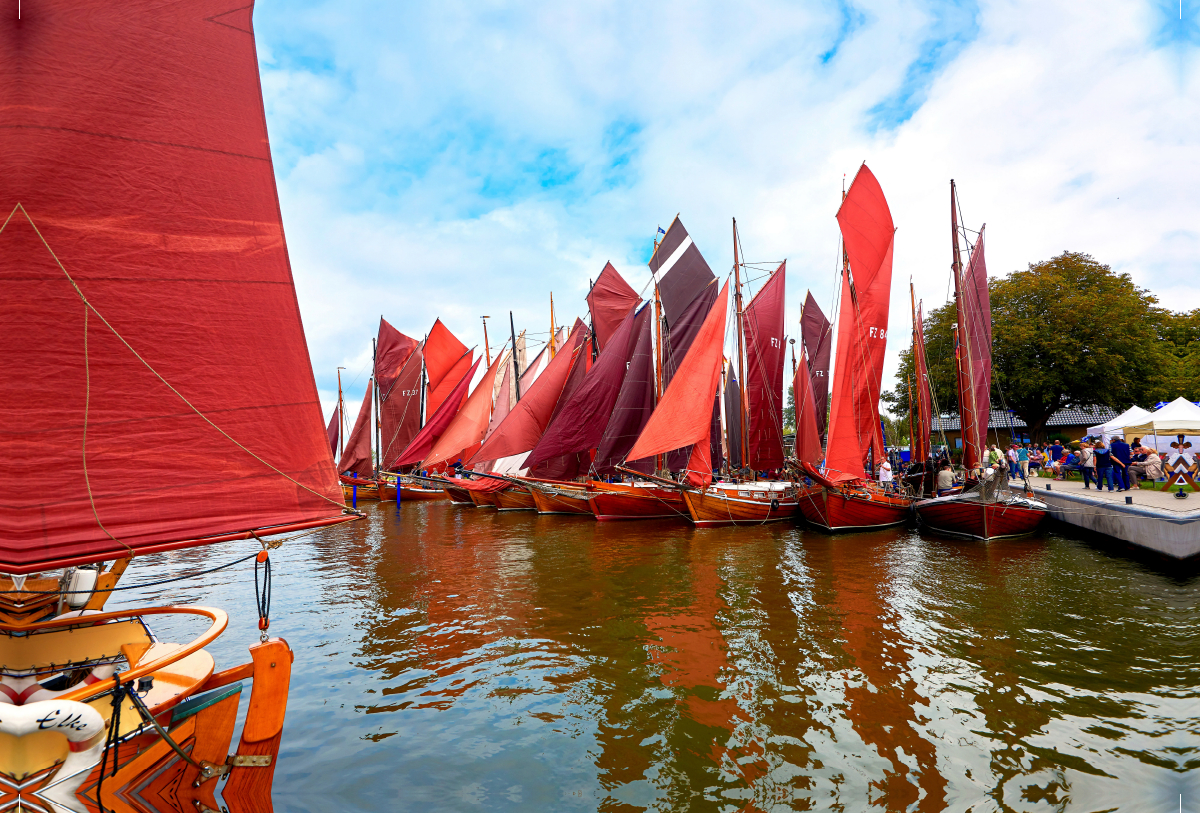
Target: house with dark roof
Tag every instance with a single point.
(1004, 427)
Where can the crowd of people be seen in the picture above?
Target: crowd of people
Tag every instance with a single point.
(1114, 464)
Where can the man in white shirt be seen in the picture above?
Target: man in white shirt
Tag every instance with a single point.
(885, 475)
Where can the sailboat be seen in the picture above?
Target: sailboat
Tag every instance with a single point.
(758, 415)
(154, 364)
(986, 509)
(844, 496)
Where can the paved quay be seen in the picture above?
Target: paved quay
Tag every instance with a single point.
(1155, 520)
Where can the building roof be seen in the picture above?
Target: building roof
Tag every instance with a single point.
(1000, 419)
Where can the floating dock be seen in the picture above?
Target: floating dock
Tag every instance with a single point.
(1156, 520)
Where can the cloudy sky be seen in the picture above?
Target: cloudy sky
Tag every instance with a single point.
(460, 159)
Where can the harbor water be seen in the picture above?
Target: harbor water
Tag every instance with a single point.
(459, 659)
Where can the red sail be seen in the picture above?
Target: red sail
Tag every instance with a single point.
(439, 422)
(446, 359)
(356, 454)
(392, 349)
(684, 415)
(855, 436)
(400, 411)
(334, 431)
(808, 437)
(523, 427)
(579, 424)
(733, 419)
(134, 140)
(471, 423)
(762, 323)
(566, 466)
(610, 300)
(633, 407)
(977, 317)
(923, 427)
(817, 335)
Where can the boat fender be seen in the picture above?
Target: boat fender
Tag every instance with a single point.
(774, 504)
(79, 584)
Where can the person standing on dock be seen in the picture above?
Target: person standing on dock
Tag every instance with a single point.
(1121, 459)
(1104, 472)
(1087, 464)
(1023, 461)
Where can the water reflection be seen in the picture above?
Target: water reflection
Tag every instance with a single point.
(456, 659)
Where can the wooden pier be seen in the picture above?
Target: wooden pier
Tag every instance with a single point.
(1155, 520)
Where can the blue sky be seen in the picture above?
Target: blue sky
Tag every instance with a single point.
(460, 159)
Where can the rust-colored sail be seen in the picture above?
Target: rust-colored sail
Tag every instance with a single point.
(633, 407)
(151, 334)
(684, 415)
(521, 430)
(763, 326)
(333, 431)
(817, 336)
(471, 423)
(446, 359)
(398, 378)
(808, 437)
(439, 421)
(923, 423)
(356, 454)
(977, 319)
(855, 436)
(610, 301)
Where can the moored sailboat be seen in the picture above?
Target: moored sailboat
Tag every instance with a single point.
(986, 509)
(845, 497)
(156, 348)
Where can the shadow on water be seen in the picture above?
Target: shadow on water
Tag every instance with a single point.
(451, 658)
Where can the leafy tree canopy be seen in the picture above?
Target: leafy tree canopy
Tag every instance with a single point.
(1068, 331)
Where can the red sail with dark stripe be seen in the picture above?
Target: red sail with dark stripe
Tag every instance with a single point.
(817, 336)
(762, 324)
(610, 301)
(133, 138)
(855, 436)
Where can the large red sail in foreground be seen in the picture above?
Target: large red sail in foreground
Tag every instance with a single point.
(684, 415)
(855, 436)
(763, 326)
(356, 454)
(134, 140)
(609, 300)
(817, 334)
(521, 430)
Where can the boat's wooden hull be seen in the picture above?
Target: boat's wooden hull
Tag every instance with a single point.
(483, 499)
(458, 496)
(859, 509)
(562, 501)
(408, 492)
(978, 520)
(715, 507)
(369, 492)
(514, 498)
(611, 502)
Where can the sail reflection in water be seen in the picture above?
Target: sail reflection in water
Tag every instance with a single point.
(453, 659)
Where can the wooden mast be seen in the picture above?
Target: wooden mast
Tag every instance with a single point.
(423, 382)
(741, 348)
(658, 348)
(375, 404)
(516, 366)
(553, 349)
(487, 352)
(972, 453)
(341, 416)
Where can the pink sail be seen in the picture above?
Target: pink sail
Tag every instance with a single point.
(977, 317)
(762, 323)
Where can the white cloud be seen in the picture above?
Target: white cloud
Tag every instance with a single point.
(470, 158)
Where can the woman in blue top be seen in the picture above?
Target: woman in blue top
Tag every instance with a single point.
(1103, 457)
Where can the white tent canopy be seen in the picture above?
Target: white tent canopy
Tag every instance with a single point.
(1180, 417)
(1133, 415)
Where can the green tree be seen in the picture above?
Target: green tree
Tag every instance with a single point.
(789, 412)
(1068, 331)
